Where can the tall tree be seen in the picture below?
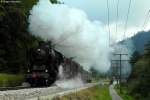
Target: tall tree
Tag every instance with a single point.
(134, 58)
(140, 77)
(147, 50)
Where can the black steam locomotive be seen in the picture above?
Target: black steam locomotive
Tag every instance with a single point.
(44, 62)
(43, 65)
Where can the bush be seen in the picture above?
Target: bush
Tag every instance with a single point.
(10, 80)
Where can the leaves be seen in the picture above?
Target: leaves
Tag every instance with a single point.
(140, 76)
(15, 40)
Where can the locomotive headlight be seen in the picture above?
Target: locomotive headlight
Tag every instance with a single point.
(46, 70)
(28, 70)
(38, 50)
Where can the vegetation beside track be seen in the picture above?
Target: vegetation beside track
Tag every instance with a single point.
(93, 93)
(10, 80)
(137, 86)
(124, 93)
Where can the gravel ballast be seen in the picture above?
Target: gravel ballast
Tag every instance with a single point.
(35, 93)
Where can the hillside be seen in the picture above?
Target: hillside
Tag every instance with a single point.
(139, 40)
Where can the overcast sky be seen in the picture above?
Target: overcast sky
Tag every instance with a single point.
(97, 10)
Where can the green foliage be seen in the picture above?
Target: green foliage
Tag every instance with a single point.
(8, 80)
(133, 60)
(15, 40)
(26, 5)
(147, 50)
(124, 94)
(93, 93)
(54, 1)
(142, 73)
(138, 84)
(135, 57)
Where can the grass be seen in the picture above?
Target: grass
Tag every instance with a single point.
(124, 93)
(94, 93)
(7, 80)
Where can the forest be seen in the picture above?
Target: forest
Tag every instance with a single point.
(15, 39)
(138, 82)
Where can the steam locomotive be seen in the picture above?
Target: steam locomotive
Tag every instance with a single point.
(44, 63)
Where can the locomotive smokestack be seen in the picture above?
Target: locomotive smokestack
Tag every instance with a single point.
(72, 32)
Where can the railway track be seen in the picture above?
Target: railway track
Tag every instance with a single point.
(13, 88)
(19, 88)
(24, 93)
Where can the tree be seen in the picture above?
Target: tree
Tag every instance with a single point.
(147, 50)
(135, 57)
(140, 76)
(54, 1)
(133, 60)
(15, 40)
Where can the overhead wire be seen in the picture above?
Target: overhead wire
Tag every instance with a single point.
(117, 16)
(126, 22)
(126, 25)
(108, 20)
(146, 20)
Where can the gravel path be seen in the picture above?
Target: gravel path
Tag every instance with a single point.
(24, 94)
(65, 92)
(113, 93)
(30, 94)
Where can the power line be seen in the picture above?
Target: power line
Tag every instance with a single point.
(117, 16)
(146, 20)
(108, 19)
(125, 29)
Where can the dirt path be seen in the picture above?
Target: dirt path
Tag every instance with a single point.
(113, 93)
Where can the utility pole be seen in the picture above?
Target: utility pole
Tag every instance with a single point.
(120, 67)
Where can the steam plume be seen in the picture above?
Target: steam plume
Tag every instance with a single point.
(126, 47)
(72, 32)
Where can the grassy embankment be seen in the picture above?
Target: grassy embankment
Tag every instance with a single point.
(124, 94)
(94, 93)
(7, 80)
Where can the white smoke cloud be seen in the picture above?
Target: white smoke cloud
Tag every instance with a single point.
(126, 48)
(64, 82)
(70, 83)
(72, 31)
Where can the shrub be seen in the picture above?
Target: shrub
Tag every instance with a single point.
(9, 80)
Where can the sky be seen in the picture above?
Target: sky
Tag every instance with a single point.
(97, 10)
